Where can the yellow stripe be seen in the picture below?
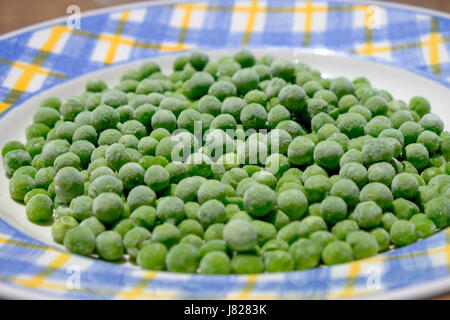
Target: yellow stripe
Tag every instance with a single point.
(253, 10)
(52, 266)
(351, 280)
(434, 42)
(247, 290)
(309, 10)
(138, 290)
(115, 40)
(24, 80)
(4, 106)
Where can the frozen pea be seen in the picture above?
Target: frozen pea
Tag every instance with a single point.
(68, 159)
(337, 252)
(259, 200)
(15, 159)
(170, 209)
(363, 244)
(354, 171)
(404, 185)
(135, 239)
(382, 237)
(382, 172)
(278, 261)
(377, 150)
(439, 182)
(293, 203)
(352, 155)
(327, 154)
(144, 216)
(305, 253)
(411, 131)
(276, 115)
(190, 226)
(104, 117)
(387, 220)
(404, 209)
(322, 238)
(123, 226)
(152, 256)
(12, 145)
(131, 174)
(417, 155)
(109, 245)
(69, 184)
(81, 208)
(83, 149)
(247, 264)
(157, 178)
(301, 151)
(215, 262)
(105, 183)
(293, 231)
(116, 156)
(61, 226)
(278, 218)
(94, 225)
(367, 214)
(80, 240)
(183, 258)
(347, 190)
(39, 208)
(211, 189)
(167, 234)
(425, 227)
(253, 116)
(333, 209)
(265, 231)
(240, 235)
(108, 207)
(376, 192)
(211, 212)
(343, 228)
(438, 211)
(403, 232)
(317, 187)
(420, 105)
(293, 97)
(377, 125)
(30, 194)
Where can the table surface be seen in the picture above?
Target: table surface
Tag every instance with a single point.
(20, 13)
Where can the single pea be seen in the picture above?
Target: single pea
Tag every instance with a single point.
(438, 211)
(167, 234)
(343, 228)
(215, 262)
(183, 258)
(347, 190)
(69, 184)
(333, 209)
(293, 231)
(259, 200)
(135, 239)
(317, 187)
(108, 207)
(240, 235)
(61, 226)
(81, 208)
(403, 232)
(417, 155)
(39, 208)
(382, 172)
(109, 245)
(247, 264)
(363, 244)
(105, 183)
(420, 105)
(293, 97)
(378, 193)
(144, 216)
(322, 238)
(152, 256)
(337, 252)
(425, 227)
(404, 209)
(368, 214)
(80, 240)
(278, 261)
(377, 150)
(211, 189)
(170, 209)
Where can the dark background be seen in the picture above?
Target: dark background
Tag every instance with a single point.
(15, 14)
